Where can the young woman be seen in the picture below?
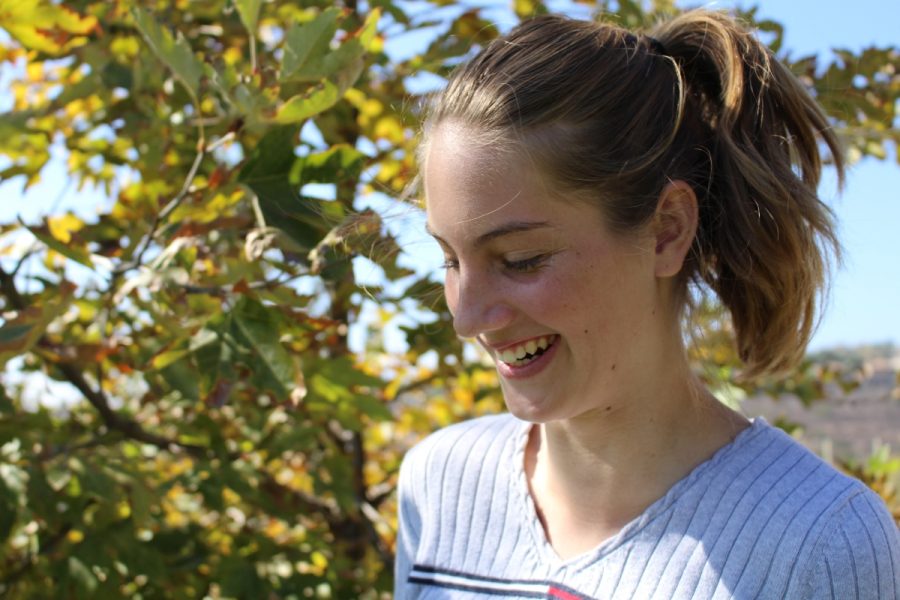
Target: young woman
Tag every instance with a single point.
(579, 178)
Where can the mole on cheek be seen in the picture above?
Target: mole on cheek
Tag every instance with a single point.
(613, 367)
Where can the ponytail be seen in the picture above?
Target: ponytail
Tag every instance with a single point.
(764, 235)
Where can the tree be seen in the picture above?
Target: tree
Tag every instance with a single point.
(229, 442)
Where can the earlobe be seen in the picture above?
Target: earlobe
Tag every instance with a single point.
(675, 225)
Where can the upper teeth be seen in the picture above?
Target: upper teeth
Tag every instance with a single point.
(518, 352)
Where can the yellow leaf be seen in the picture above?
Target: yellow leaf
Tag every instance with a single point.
(275, 528)
(372, 108)
(62, 227)
(74, 536)
(389, 128)
(34, 71)
(232, 55)
(125, 46)
(528, 8)
(45, 26)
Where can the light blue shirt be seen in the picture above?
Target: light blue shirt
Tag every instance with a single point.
(763, 518)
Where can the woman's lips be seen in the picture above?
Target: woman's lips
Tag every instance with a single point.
(518, 370)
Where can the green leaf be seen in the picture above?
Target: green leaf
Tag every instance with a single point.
(343, 65)
(140, 496)
(338, 163)
(164, 359)
(308, 39)
(9, 508)
(71, 251)
(14, 333)
(343, 371)
(249, 11)
(238, 578)
(373, 408)
(82, 576)
(258, 326)
(273, 174)
(6, 405)
(174, 52)
(303, 106)
(22, 330)
(351, 391)
(366, 33)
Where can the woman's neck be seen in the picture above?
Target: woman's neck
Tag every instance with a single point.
(592, 474)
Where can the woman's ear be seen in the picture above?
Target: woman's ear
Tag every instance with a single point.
(675, 225)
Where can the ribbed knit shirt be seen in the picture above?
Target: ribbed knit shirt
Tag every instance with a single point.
(763, 518)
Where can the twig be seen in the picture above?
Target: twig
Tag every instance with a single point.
(380, 492)
(224, 290)
(297, 502)
(222, 140)
(8, 288)
(252, 44)
(28, 254)
(167, 210)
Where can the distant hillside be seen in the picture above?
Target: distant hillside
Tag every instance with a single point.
(856, 357)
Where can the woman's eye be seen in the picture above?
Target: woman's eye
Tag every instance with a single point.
(526, 265)
(450, 263)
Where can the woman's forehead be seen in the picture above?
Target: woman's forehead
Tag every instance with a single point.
(465, 192)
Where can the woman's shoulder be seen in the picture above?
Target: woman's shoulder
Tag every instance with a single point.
(452, 455)
(767, 485)
(858, 553)
(766, 456)
(828, 520)
(455, 443)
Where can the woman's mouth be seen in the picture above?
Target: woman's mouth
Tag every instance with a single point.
(523, 354)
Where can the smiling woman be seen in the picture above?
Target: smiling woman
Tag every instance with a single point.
(578, 179)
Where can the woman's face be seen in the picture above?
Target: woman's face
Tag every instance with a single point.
(567, 309)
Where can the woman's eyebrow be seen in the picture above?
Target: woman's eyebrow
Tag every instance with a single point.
(502, 230)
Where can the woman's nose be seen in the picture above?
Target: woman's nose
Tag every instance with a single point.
(478, 304)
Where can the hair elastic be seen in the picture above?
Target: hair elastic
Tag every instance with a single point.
(656, 45)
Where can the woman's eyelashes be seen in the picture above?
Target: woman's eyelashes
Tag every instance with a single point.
(523, 265)
(526, 265)
(450, 263)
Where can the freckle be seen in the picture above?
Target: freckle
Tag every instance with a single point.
(585, 330)
(609, 408)
(613, 367)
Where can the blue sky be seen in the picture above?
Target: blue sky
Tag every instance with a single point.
(865, 293)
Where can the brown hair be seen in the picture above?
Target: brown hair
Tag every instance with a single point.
(614, 116)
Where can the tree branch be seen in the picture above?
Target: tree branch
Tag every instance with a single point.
(8, 288)
(96, 398)
(117, 422)
(167, 210)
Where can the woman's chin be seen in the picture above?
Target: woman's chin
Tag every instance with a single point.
(532, 410)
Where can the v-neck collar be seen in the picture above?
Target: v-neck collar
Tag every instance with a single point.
(546, 554)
